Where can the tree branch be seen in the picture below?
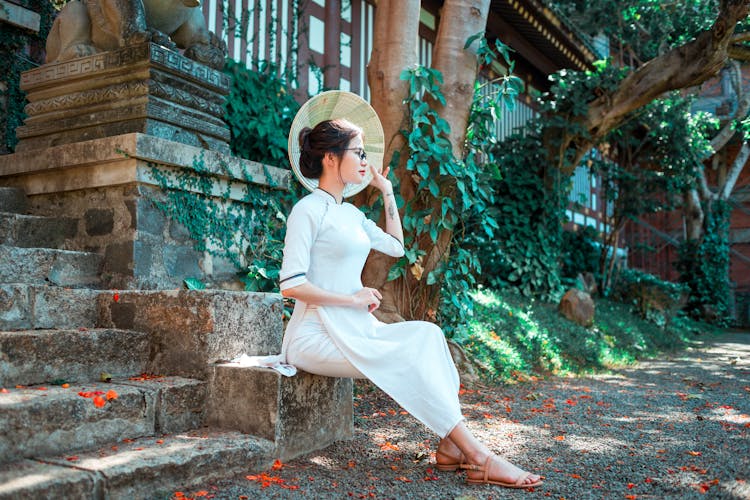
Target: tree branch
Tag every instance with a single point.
(681, 67)
(705, 192)
(741, 37)
(743, 107)
(734, 171)
(739, 52)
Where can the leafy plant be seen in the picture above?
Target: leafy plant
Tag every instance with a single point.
(449, 193)
(654, 299)
(704, 267)
(579, 252)
(247, 232)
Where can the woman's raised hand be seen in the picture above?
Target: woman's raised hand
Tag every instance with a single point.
(380, 179)
(367, 297)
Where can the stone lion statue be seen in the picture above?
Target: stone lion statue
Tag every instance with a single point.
(85, 27)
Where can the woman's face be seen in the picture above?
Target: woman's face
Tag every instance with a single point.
(353, 166)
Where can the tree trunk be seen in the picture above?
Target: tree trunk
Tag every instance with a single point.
(394, 49)
(459, 20)
(693, 212)
(396, 26)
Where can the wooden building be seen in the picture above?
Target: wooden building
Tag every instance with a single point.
(327, 43)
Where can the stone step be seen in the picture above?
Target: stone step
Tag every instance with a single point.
(13, 200)
(32, 231)
(192, 329)
(25, 307)
(49, 266)
(299, 414)
(42, 356)
(153, 467)
(49, 420)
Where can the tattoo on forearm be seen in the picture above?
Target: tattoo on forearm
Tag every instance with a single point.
(392, 210)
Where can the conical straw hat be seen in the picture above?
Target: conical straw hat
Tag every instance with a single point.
(336, 104)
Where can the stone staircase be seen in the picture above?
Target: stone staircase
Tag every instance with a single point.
(169, 414)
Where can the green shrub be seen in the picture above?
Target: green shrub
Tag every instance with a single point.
(580, 253)
(654, 299)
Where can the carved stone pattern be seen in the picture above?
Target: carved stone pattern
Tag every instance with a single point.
(185, 98)
(66, 125)
(182, 64)
(58, 71)
(165, 77)
(166, 113)
(126, 56)
(88, 97)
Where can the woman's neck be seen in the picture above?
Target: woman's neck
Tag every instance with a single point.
(334, 187)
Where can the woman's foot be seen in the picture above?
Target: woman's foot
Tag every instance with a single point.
(448, 457)
(498, 471)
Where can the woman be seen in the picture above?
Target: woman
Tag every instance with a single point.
(332, 331)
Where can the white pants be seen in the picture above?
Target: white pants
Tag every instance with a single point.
(313, 351)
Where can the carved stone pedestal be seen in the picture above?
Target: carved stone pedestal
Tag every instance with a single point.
(143, 88)
(108, 186)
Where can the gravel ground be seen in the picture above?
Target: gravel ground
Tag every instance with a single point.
(676, 427)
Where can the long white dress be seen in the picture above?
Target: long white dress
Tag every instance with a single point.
(326, 245)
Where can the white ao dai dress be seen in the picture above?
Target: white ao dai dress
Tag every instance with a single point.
(326, 245)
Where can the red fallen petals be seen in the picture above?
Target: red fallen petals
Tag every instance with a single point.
(99, 402)
(116, 297)
(403, 479)
(72, 458)
(111, 395)
(265, 481)
(631, 486)
(90, 394)
(388, 446)
(694, 453)
(277, 465)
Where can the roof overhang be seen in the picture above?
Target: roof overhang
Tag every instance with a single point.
(539, 36)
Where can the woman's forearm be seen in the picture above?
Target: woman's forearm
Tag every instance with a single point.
(392, 218)
(366, 297)
(311, 294)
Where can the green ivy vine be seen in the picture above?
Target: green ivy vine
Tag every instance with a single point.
(452, 195)
(13, 40)
(704, 266)
(248, 232)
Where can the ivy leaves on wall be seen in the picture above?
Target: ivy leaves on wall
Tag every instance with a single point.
(248, 232)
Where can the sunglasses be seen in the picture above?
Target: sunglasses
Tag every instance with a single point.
(362, 155)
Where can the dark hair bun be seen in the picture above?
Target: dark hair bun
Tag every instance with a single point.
(309, 165)
(304, 138)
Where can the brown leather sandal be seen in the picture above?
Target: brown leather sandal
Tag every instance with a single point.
(454, 464)
(485, 480)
